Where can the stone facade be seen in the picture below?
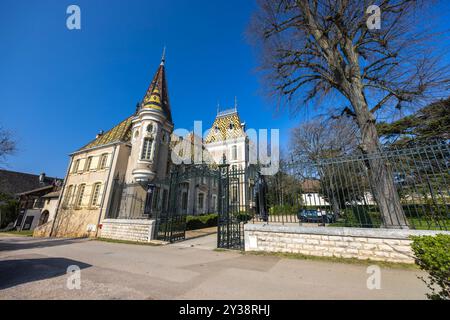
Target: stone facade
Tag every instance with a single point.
(374, 244)
(129, 230)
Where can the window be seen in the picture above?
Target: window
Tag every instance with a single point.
(155, 198)
(95, 200)
(103, 161)
(234, 152)
(147, 149)
(214, 203)
(76, 165)
(88, 164)
(231, 127)
(68, 196)
(201, 198)
(150, 128)
(184, 200)
(80, 196)
(164, 200)
(235, 194)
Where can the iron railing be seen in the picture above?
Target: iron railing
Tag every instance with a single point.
(395, 188)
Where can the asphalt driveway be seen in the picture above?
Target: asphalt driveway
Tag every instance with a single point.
(33, 268)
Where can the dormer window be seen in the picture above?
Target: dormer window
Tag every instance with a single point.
(231, 127)
(216, 129)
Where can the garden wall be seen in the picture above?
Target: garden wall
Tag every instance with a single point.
(391, 245)
(129, 230)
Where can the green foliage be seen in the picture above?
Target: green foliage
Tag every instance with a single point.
(8, 210)
(358, 216)
(429, 123)
(201, 221)
(433, 255)
(243, 217)
(284, 209)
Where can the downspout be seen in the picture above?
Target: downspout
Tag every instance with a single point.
(114, 161)
(61, 196)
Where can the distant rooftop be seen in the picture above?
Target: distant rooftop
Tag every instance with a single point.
(12, 182)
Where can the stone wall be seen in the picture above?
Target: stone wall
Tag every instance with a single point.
(129, 230)
(390, 245)
(43, 230)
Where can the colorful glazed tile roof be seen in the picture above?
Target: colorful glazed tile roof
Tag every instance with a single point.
(157, 95)
(227, 125)
(121, 132)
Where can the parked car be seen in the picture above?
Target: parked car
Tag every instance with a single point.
(315, 216)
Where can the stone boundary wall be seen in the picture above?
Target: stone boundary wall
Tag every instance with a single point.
(391, 245)
(129, 230)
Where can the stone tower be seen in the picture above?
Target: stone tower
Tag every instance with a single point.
(150, 133)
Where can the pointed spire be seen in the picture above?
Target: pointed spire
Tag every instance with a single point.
(163, 57)
(157, 95)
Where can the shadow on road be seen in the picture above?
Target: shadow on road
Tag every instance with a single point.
(18, 271)
(10, 244)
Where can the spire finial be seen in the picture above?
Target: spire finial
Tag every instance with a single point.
(163, 57)
(235, 103)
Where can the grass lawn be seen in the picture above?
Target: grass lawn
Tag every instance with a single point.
(128, 242)
(367, 262)
(27, 233)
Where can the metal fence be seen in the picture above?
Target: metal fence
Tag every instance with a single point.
(396, 188)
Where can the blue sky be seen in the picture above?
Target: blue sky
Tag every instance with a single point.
(58, 87)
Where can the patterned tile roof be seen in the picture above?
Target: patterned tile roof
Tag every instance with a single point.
(227, 125)
(157, 95)
(121, 132)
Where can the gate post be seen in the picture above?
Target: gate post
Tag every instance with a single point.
(223, 204)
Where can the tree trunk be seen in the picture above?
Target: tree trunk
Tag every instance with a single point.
(379, 171)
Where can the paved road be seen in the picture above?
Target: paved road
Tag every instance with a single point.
(36, 269)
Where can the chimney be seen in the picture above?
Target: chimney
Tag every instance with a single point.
(42, 178)
(99, 134)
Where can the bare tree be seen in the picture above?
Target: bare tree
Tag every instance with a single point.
(311, 48)
(7, 144)
(324, 138)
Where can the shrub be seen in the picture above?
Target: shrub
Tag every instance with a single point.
(201, 221)
(243, 217)
(432, 254)
(283, 210)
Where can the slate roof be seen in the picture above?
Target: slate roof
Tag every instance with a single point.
(12, 182)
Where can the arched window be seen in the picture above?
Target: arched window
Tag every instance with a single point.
(147, 149)
(234, 152)
(150, 128)
(103, 161)
(44, 217)
(95, 200)
(80, 196)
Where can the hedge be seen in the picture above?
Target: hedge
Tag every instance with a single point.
(432, 254)
(201, 221)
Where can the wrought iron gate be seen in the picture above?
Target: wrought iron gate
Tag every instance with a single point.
(184, 185)
(236, 205)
